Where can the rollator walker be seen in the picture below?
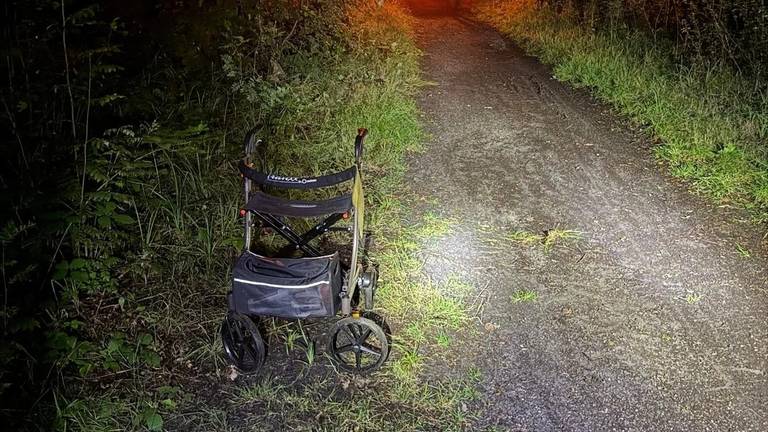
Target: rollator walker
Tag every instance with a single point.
(302, 280)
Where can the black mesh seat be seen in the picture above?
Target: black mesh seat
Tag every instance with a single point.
(264, 203)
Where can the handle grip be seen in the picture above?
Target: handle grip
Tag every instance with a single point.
(251, 143)
(255, 151)
(359, 141)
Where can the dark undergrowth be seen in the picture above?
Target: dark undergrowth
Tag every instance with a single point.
(120, 199)
(709, 116)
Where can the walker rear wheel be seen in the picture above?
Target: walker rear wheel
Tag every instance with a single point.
(242, 342)
(381, 322)
(368, 283)
(358, 345)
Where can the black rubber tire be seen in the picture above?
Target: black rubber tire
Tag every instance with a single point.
(381, 322)
(358, 345)
(242, 342)
(371, 278)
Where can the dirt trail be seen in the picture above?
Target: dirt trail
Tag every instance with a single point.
(652, 321)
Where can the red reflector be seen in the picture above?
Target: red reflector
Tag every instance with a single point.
(345, 215)
(242, 212)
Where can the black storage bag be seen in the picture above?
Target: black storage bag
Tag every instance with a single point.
(286, 287)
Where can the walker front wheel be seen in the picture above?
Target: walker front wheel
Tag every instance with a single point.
(358, 345)
(242, 342)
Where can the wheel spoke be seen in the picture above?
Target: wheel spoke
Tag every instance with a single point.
(370, 350)
(354, 329)
(349, 334)
(238, 331)
(229, 330)
(240, 352)
(251, 352)
(343, 349)
(366, 341)
(364, 336)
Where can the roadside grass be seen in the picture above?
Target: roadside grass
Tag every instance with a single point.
(443, 340)
(94, 414)
(456, 287)
(408, 296)
(420, 407)
(711, 121)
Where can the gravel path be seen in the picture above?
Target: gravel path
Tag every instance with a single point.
(652, 320)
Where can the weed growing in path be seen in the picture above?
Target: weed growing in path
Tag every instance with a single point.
(556, 235)
(692, 298)
(524, 295)
(743, 251)
(548, 238)
(526, 238)
(443, 340)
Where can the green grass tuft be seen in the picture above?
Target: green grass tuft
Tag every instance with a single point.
(526, 238)
(547, 239)
(556, 235)
(693, 298)
(743, 251)
(433, 226)
(524, 295)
